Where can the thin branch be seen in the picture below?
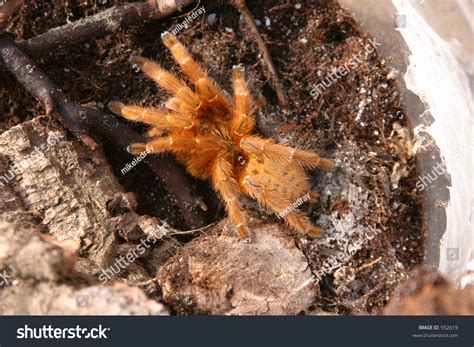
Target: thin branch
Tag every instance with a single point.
(101, 24)
(242, 7)
(83, 120)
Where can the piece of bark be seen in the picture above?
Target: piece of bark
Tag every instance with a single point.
(61, 187)
(426, 292)
(38, 278)
(223, 275)
(49, 299)
(35, 256)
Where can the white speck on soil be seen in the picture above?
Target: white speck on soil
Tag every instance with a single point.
(211, 19)
(268, 21)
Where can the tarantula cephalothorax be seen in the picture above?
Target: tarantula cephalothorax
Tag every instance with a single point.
(211, 134)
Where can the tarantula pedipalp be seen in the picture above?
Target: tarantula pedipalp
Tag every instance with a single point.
(211, 134)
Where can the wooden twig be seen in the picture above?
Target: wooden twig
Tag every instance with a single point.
(83, 120)
(369, 264)
(101, 24)
(242, 7)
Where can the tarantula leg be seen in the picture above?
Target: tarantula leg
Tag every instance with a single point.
(266, 195)
(173, 104)
(169, 82)
(301, 223)
(243, 122)
(313, 196)
(280, 153)
(206, 87)
(226, 185)
(176, 144)
(158, 118)
(155, 132)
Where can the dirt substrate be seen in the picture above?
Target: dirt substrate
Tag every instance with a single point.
(368, 206)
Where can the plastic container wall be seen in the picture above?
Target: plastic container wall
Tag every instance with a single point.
(430, 47)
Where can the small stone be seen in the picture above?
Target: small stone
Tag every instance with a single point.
(211, 19)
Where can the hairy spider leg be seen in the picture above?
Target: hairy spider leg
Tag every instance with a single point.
(242, 122)
(207, 89)
(226, 185)
(283, 154)
(177, 144)
(189, 101)
(160, 119)
(155, 132)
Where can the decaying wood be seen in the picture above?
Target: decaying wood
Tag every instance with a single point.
(63, 188)
(38, 278)
(221, 274)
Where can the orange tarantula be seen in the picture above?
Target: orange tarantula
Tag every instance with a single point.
(211, 134)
